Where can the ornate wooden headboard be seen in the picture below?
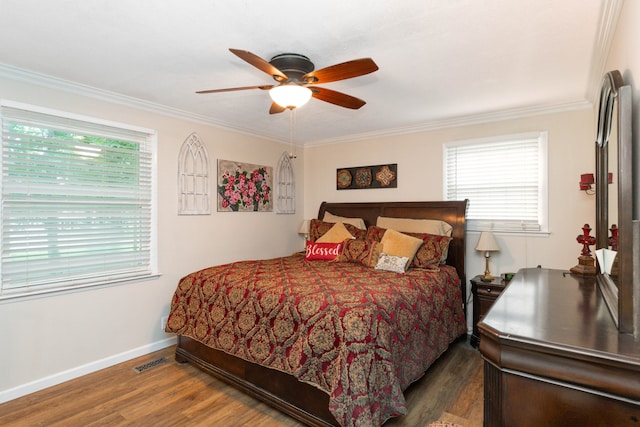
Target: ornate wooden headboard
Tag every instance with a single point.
(453, 212)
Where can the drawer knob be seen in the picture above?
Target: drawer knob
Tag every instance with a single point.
(489, 290)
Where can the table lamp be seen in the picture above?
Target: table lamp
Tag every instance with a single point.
(304, 228)
(487, 244)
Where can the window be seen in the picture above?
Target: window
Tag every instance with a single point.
(77, 202)
(193, 178)
(285, 186)
(505, 180)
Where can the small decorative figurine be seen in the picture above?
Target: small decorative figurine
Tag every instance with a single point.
(586, 263)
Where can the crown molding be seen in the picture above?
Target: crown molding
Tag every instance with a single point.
(30, 77)
(606, 29)
(611, 10)
(474, 119)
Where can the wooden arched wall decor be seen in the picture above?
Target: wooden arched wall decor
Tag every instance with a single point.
(285, 193)
(194, 196)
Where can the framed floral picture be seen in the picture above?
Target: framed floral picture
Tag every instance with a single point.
(244, 187)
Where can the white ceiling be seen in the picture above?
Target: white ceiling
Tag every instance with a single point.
(442, 62)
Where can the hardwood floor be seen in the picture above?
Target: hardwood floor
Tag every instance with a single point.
(173, 394)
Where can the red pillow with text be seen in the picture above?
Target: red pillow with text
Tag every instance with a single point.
(322, 251)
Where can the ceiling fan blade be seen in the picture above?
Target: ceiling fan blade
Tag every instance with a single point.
(230, 89)
(336, 98)
(345, 70)
(276, 108)
(259, 63)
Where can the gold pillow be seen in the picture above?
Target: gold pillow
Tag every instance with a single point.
(336, 234)
(398, 244)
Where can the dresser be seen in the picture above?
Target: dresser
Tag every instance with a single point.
(553, 356)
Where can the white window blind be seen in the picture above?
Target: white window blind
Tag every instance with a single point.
(505, 180)
(77, 205)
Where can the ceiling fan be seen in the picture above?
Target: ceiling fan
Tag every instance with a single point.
(296, 80)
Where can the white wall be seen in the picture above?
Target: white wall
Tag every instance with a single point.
(46, 340)
(419, 159)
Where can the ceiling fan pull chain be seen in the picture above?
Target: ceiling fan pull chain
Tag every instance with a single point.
(292, 126)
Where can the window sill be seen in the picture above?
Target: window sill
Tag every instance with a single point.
(51, 292)
(511, 233)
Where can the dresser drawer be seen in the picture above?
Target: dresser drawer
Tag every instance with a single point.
(489, 290)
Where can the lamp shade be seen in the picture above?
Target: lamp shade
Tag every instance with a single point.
(304, 227)
(290, 95)
(487, 242)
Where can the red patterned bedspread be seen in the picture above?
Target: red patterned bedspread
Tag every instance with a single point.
(359, 334)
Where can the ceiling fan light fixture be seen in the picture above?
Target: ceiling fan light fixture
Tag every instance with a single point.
(290, 95)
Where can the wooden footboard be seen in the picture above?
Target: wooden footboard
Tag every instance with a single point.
(282, 391)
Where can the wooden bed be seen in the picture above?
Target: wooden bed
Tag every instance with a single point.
(300, 400)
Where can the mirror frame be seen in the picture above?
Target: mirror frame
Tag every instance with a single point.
(618, 297)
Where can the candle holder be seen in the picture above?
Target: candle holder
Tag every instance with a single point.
(586, 263)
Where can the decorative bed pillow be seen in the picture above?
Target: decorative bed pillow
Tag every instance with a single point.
(432, 252)
(375, 233)
(410, 225)
(336, 234)
(397, 264)
(322, 251)
(360, 251)
(356, 222)
(317, 228)
(399, 244)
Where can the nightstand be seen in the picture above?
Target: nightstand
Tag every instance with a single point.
(484, 295)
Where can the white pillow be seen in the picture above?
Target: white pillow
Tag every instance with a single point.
(397, 264)
(356, 222)
(409, 225)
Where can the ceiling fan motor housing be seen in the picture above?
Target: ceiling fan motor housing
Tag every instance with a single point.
(293, 65)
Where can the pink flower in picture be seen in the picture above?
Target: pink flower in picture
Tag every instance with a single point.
(244, 187)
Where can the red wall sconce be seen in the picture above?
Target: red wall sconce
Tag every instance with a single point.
(587, 181)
